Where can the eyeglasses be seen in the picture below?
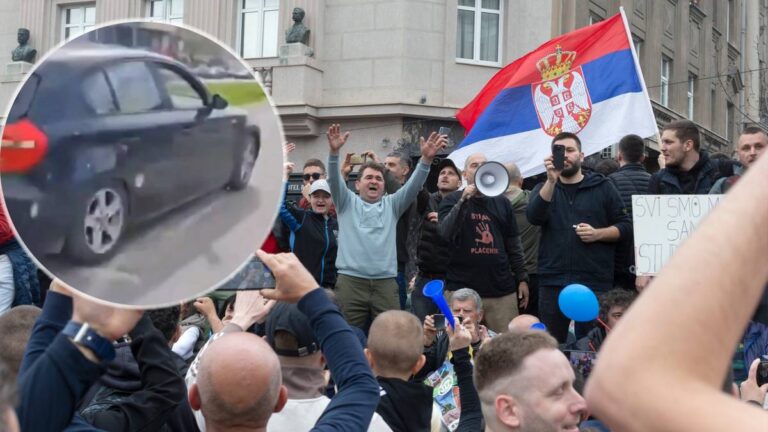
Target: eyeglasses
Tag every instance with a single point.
(313, 176)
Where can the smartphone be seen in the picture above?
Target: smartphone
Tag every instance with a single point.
(439, 322)
(358, 159)
(444, 131)
(254, 276)
(762, 372)
(460, 319)
(558, 156)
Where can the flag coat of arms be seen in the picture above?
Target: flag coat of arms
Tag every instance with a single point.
(587, 82)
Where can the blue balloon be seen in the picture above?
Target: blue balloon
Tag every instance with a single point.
(578, 303)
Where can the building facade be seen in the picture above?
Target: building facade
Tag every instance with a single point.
(392, 70)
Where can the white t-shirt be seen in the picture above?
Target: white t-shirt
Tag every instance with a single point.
(300, 415)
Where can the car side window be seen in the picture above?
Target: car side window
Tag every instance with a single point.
(180, 91)
(97, 93)
(134, 87)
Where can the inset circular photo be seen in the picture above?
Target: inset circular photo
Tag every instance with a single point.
(141, 163)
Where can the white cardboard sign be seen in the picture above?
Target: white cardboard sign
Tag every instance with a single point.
(661, 223)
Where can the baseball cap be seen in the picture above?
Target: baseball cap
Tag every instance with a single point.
(319, 185)
(288, 318)
(448, 163)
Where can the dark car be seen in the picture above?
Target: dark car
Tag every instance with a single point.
(101, 137)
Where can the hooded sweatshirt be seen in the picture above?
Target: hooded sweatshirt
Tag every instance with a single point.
(405, 406)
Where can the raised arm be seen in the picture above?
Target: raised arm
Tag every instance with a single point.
(429, 148)
(341, 194)
(662, 367)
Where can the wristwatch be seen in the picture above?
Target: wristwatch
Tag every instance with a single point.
(84, 335)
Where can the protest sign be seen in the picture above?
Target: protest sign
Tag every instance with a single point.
(661, 223)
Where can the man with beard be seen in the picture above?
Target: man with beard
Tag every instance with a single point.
(581, 217)
(485, 248)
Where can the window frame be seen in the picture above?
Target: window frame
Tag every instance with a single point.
(241, 11)
(664, 83)
(478, 12)
(198, 87)
(84, 26)
(149, 66)
(691, 95)
(167, 16)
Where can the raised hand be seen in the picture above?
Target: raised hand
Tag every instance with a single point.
(336, 139)
(293, 281)
(431, 146)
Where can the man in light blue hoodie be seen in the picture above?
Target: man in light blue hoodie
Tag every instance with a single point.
(367, 256)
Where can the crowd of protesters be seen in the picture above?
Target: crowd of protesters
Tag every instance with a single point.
(345, 340)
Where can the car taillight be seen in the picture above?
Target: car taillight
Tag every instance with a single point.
(23, 146)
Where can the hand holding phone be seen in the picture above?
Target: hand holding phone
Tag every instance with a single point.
(439, 322)
(558, 156)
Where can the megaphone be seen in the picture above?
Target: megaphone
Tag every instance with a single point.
(491, 179)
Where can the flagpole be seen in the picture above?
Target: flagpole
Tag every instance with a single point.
(639, 71)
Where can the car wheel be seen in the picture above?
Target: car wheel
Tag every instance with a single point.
(244, 163)
(98, 226)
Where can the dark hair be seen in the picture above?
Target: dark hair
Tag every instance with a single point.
(166, 320)
(372, 165)
(632, 148)
(684, 130)
(606, 166)
(404, 160)
(229, 301)
(753, 129)
(566, 135)
(315, 163)
(615, 297)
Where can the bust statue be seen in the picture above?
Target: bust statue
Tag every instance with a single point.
(298, 31)
(23, 52)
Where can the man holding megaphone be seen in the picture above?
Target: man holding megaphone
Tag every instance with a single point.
(480, 225)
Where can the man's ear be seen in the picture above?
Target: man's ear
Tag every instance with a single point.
(357, 184)
(282, 399)
(369, 357)
(194, 397)
(507, 411)
(688, 145)
(419, 364)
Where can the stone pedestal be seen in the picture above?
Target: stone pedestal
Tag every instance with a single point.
(294, 53)
(18, 68)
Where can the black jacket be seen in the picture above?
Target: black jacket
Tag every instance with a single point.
(432, 254)
(313, 240)
(697, 180)
(484, 244)
(563, 257)
(631, 179)
(144, 375)
(405, 405)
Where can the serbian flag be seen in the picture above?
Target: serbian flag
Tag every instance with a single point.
(587, 82)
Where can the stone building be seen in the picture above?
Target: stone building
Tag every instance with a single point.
(391, 70)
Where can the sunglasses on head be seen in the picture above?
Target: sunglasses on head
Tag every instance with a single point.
(313, 176)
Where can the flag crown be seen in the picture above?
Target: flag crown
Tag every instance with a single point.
(555, 64)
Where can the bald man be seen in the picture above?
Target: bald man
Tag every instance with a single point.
(239, 382)
(522, 322)
(238, 390)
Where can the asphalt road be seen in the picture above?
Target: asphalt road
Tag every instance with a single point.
(194, 248)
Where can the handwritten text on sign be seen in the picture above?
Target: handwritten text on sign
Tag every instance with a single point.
(662, 222)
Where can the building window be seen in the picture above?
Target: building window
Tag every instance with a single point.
(638, 43)
(608, 152)
(729, 122)
(666, 68)
(728, 24)
(712, 107)
(478, 32)
(171, 11)
(594, 18)
(77, 20)
(258, 28)
(691, 93)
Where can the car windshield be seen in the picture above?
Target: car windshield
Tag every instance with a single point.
(24, 99)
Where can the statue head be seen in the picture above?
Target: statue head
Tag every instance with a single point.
(22, 36)
(298, 15)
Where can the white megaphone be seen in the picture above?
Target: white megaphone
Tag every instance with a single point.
(491, 179)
